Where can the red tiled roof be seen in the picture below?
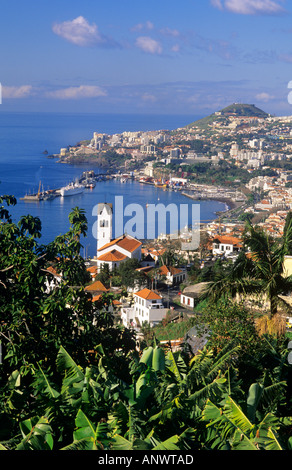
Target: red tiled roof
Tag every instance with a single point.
(129, 244)
(92, 269)
(147, 294)
(53, 271)
(96, 286)
(228, 239)
(113, 255)
(165, 270)
(96, 298)
(126, 242)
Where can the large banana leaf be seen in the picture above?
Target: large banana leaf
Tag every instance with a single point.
(47, 387)
(120, 443)
(254, 395)
(154, 358)
(267, 433)
(236, 429)
(37, 434)
(67, 366)
(147, 356)
(231, 423)
(235, 415)
(87, 435)
(176, 365)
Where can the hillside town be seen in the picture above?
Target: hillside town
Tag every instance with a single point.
(242, 160)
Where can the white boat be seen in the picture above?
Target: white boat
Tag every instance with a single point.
(71, 189)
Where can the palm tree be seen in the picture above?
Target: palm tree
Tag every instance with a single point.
(259, 269)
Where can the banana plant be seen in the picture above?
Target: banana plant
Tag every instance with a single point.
(37, 434)
(230, 428)
(153, 357)
(153, 443)
(88, 436)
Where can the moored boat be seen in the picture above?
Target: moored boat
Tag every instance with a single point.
(71, 189)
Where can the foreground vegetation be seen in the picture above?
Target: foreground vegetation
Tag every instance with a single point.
(71, 379)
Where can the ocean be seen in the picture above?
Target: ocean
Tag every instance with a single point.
(24, 137)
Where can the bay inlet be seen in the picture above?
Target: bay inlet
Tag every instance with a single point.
(23, 165)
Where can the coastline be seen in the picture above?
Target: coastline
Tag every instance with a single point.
(231, 204)
(116, 170)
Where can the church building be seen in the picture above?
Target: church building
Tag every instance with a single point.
(113, 251)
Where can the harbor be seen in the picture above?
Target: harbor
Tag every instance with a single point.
(87, 180)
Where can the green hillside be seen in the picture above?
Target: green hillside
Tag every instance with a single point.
(235, 109)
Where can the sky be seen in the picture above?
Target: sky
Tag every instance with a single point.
(154, 57)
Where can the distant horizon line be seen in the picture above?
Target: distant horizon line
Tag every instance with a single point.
(105, 112)
(192, 116)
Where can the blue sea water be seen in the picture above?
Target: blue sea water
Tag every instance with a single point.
(25, 136)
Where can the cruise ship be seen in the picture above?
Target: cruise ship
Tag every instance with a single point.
(71, 189)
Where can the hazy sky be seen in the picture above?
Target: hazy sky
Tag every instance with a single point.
(128, 56)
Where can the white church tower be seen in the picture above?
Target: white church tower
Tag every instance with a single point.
(104, 224)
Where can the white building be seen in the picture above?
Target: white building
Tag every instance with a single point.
(191, 294)
(172, 275)
(148, 307)
(226, 245)
(53, 279)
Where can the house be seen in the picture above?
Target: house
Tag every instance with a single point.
(153, 252)
(147, 307)
(172, 275)
(264, 205)
(148, 260)
(190, 294)
(92, 270)
(226, 245)
(53, 279)
(96, 288)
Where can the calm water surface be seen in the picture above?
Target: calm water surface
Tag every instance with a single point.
(25, 136)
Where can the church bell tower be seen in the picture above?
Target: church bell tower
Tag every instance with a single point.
(104, 224)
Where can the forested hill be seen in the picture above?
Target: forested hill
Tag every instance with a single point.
(235, 109)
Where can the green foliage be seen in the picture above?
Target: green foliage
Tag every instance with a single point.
(227, 322)
(90, 408)
(259, 268)
(172, 331)
(36, 318)
(128, 274)
(237, 432)
(72, 380)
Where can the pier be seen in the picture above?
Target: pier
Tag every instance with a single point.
(88, 179)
